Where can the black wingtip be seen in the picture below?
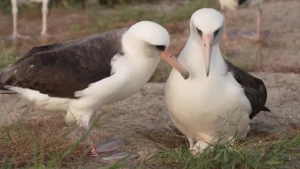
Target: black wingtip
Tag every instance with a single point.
(266, 109)
(8, 92)
(4, 90)
(1, 87)
(241, 2)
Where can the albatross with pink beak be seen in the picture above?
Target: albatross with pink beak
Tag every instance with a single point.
(217, 101)
(82, 75)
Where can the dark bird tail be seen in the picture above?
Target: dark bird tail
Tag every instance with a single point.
(3, 89)
(241, 2)
(266, 109)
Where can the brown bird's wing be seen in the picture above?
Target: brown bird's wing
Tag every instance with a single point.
(59, 70)
(241, 2)
(254, 88)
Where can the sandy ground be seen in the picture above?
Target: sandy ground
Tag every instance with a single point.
(142, 119)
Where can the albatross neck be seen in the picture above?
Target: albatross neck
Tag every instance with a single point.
(140, 58)
(193, 59)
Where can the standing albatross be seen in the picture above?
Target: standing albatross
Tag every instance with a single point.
(217, 96)
(15, 3)
(82, 75)
(233, 5)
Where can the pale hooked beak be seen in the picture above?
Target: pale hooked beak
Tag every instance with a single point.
(172, 60)
(207, 40)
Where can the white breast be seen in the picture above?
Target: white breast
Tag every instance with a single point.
(199, 107)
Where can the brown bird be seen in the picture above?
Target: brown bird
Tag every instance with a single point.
(82, 75)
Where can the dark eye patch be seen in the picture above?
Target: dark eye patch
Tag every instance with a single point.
(200, 32)
(160, 47)
(216, 32)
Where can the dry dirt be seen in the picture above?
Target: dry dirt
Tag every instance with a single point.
(142, 119)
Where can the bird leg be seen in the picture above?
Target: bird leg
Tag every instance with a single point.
(109, 145)
(258, 26)
(116, 157)
(82, 115)
(257, 35)
(199, 147)
(15, 35)
(225, 35)
(44, 15)
(86, 131)
(191, 142)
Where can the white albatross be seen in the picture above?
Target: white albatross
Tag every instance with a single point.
(15, 4)
(217, 96)
(82, 75)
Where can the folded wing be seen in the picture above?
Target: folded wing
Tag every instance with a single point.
(59, 70)
(255, 89)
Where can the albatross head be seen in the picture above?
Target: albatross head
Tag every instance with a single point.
(207, 28)
(155, 40)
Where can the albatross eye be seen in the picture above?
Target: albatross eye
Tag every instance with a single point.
(160, 47)
(200, 32)
(216, 32)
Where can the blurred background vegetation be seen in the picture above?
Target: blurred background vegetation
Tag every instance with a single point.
(92, 16)
(71, 19)
(5, 5)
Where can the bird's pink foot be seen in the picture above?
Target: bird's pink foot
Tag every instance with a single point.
(105, 151)
(229, 35)
(116, 157)
(110, 145)
(16, 36)
(225, 37)
(252, 35)
(46, 35)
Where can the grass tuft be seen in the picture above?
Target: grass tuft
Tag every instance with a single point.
(272, 151)
(40, 143)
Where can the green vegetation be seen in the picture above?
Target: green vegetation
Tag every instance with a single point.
(38, 144)
(134, 13)
(250, 154)
(6, 57)
(122, 15)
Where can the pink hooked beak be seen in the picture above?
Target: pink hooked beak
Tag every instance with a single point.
(207, 40)
(172, 60)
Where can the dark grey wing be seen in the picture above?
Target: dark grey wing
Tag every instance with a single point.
(255, 89)
(241, 2)
(37, 49)
(59, 70)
